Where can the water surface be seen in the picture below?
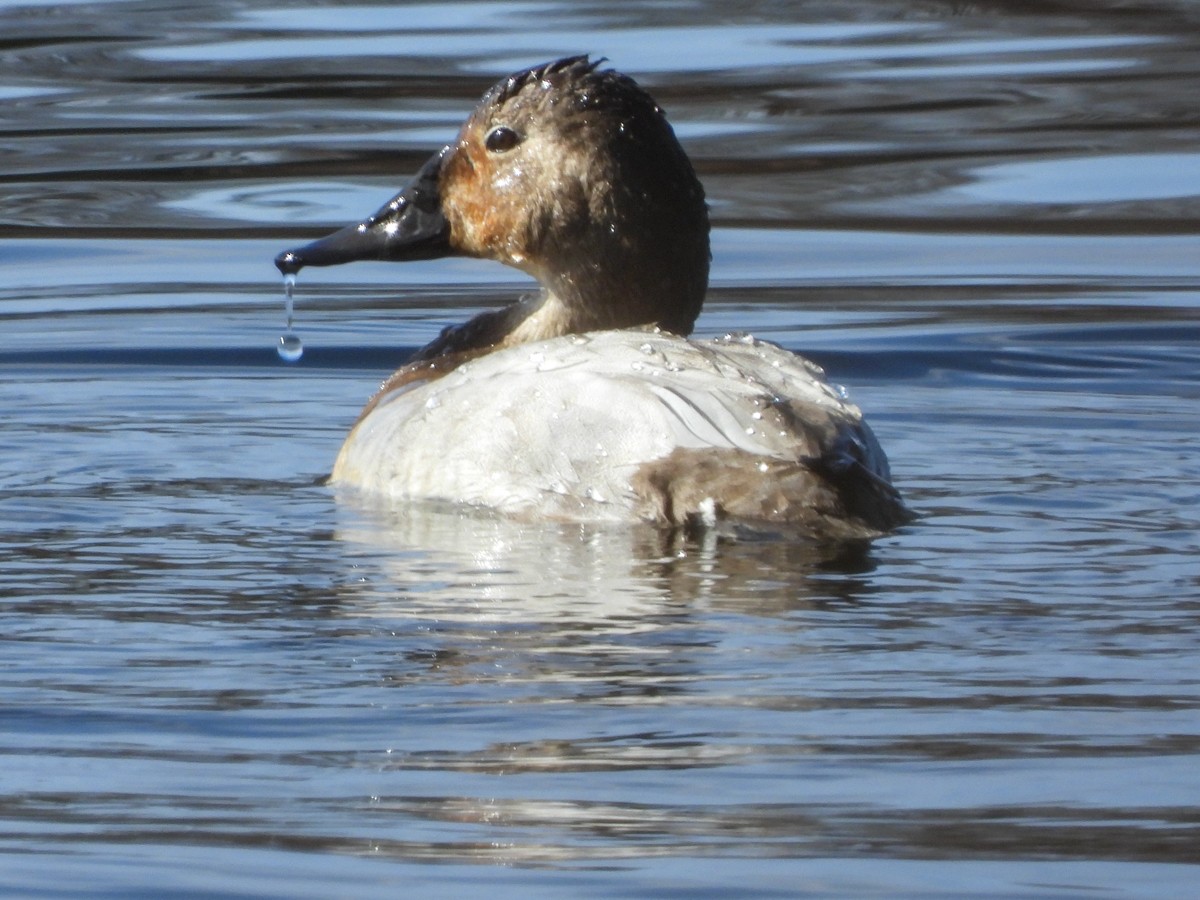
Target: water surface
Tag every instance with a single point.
(221, 679)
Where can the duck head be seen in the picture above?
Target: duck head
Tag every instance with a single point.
(568, 172)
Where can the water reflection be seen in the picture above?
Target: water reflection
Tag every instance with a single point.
(1110, 179)
(221, 679)
(447, 565)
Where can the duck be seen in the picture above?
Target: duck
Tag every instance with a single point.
(587, 401)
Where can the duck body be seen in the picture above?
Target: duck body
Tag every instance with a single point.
(628, 425)
(588, 402)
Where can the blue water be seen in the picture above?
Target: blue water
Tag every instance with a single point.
(220, 679)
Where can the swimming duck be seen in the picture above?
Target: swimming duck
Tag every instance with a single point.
(587, 401)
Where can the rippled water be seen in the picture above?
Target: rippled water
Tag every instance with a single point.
(218, 679)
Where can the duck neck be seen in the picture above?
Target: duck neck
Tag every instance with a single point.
(555, 313)
(632, 292)
(536, 317)
(548, 317)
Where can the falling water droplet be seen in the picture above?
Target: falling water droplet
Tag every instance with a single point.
(290, 347)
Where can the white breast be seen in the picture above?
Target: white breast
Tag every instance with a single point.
(559, 428)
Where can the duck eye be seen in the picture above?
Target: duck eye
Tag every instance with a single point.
(501, 138)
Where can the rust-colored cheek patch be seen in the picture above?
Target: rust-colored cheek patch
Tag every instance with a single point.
(481, 219)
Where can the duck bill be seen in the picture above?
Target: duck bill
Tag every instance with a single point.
(408, 227)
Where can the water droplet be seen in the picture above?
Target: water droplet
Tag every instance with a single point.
(290, 347)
